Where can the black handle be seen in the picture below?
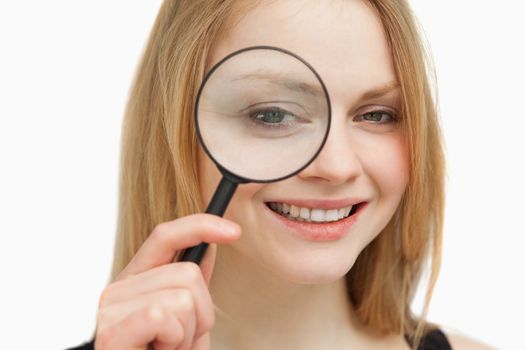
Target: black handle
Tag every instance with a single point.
(218, 204)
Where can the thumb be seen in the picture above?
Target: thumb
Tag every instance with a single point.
(208, 262)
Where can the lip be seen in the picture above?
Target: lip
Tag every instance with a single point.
(329, 231)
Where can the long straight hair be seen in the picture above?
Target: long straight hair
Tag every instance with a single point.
(158, 169)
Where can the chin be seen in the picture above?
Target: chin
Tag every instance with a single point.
(313, 269)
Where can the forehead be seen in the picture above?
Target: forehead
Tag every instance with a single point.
(342, 39)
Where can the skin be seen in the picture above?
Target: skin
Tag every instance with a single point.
(293, 290)
(258, 286)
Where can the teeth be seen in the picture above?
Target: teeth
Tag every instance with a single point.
(294, 211)
(304, 213)
(331, 215)
(310, 214)
(317, 215)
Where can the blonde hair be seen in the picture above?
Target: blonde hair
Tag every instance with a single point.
(158, 178)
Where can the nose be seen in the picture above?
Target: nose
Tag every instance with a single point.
(338, 161)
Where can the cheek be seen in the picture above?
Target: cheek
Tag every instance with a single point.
(239, 209)
(209, 176)
(243, 207)
(386, 162)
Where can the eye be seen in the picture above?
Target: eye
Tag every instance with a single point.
(273, 117)
(276, 120)
(379, 117)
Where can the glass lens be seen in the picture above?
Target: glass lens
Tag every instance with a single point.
(262, 114)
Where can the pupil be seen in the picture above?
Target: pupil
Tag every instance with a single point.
(272, 117)
(376, 116)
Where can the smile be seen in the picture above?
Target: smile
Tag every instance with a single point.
(313, 215)
(334, 218)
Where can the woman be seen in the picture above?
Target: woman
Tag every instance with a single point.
(260, 286)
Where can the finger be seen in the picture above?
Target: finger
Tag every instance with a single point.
(140, 328)
(188, 325)
(181, 275)
(203, 342)
(180, 302)
(179, 234)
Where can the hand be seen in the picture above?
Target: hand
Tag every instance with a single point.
(163, 303)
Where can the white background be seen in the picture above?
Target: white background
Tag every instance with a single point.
(65, 72)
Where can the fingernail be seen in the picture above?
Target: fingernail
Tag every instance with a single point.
(229, 228)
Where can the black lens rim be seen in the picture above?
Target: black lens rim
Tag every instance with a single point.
(244, 179)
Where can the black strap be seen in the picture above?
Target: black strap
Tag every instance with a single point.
(433, 340)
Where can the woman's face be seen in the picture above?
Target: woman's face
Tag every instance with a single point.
(363, 160)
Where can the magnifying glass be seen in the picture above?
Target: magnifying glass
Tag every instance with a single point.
(262, 115)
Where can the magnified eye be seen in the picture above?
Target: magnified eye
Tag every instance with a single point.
(273, 117)
(277, 120)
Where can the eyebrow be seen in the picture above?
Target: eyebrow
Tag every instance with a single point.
(379, 91)
(316, 90)
(291, 84)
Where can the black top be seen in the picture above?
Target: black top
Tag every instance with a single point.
(433, 340)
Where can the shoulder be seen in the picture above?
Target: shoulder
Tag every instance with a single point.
(462, 342)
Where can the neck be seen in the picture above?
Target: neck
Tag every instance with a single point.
(256, 309)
